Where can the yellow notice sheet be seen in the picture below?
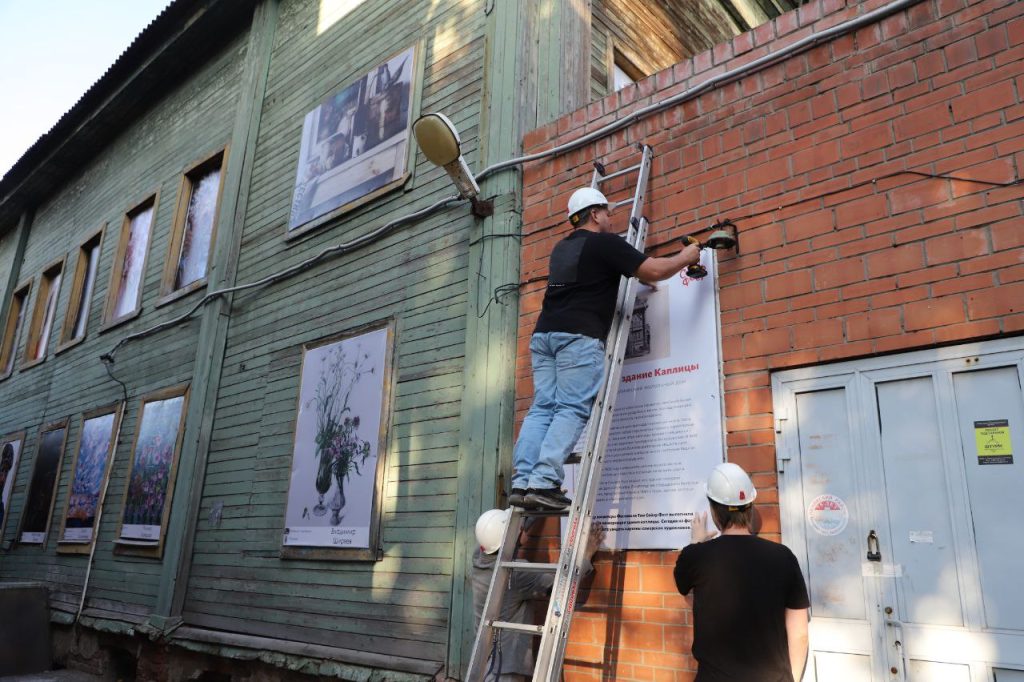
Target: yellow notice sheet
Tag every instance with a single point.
(992, 439)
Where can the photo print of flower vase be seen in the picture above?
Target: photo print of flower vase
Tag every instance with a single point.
(334, 461)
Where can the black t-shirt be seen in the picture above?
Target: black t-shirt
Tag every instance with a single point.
(742, 586)
(583, 280)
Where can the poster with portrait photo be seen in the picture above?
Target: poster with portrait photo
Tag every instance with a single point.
(35, 520)
(88, 473)
(355, 143)
(10, 457)
(340, 433)
(154, 461)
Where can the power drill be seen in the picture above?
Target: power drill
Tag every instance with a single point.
(695, 271)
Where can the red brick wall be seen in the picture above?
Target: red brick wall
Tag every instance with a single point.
(843, 254)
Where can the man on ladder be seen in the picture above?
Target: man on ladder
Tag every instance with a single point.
(567, 346)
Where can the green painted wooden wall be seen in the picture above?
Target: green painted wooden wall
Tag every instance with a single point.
(191, 121)
(418, 275)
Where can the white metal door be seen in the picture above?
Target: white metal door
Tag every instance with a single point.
(899, 483)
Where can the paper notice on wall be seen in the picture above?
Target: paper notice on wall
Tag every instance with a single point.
(992, 439)
(666, 433)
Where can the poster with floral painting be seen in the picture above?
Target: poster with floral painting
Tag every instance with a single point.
(88, 475)
(154, 461)
(35, 518)
(10, 457)
(340, 430)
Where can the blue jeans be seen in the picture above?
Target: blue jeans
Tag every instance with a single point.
(567, 373)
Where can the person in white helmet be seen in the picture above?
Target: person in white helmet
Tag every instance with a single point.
(749, 598)
(567, 346)
(512, 659)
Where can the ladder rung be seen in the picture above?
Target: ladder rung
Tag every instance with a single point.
(619, 173)
(546, 512)
(529, 566)
(518, 627)
(616, 204)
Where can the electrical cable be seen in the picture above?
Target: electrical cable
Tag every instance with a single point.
(710, 84)
(336, 250)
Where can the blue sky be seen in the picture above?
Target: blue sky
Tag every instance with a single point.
(51, 52)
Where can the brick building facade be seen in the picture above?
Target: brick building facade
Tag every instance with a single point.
(874, 180)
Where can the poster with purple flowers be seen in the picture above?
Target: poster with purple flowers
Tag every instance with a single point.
(338, 436)
(88, 474)
(153, 459)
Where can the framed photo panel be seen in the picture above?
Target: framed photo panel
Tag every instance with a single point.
(341, 427)
(10, 456)
(154, 462)
(89, 471)
(35, 519)
(355, 143)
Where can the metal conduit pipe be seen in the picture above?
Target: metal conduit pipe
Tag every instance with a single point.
(710, 84)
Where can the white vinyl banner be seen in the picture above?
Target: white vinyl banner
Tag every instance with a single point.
(666, 432)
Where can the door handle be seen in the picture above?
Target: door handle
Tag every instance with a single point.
(873, 552)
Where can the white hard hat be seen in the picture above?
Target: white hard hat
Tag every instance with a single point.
(490, 529)
(585, 197)
(728, 484)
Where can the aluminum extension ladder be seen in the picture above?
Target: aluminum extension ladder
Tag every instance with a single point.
(554, 634)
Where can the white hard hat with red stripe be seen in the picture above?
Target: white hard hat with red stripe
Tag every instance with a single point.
(730, 485)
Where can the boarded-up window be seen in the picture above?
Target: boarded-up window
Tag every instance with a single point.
(129, 264)
(42, 316)
(194, 226)
(15, 316)
(81, 290)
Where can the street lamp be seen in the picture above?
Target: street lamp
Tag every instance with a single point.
(440, 142)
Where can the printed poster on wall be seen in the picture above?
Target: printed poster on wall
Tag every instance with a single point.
(42, 487)
(152, 462)
(666, 432)
(356, 141)
(338, 437)
(89, 472)
(992, 439)
(10, 455)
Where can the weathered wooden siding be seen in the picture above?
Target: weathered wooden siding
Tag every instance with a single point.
(193, 120)
(654, 35)
(399, 605)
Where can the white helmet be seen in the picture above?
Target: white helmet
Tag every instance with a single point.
(728, 484)
(490, 529)
(585, 197)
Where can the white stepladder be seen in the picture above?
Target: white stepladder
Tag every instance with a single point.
(554, 634)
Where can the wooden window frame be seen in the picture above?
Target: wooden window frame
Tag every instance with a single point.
(39, 313)
(153, 550)
(16, 435)
(74, 299)
(109, 321)
(52, 426)
(167, 291)
(618, 57)
(71, 547)
(12, 328)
